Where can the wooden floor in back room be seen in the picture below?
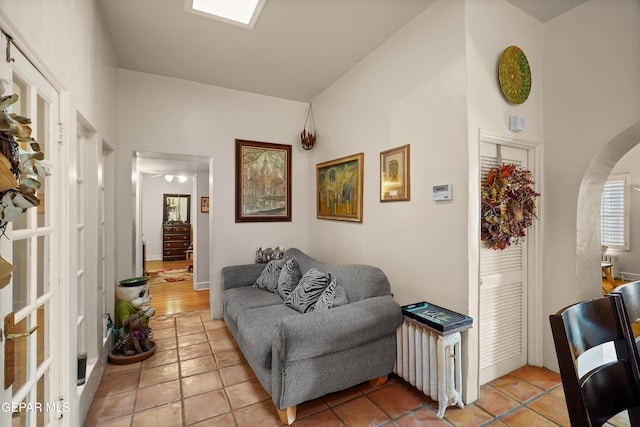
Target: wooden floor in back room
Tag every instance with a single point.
(175, 297)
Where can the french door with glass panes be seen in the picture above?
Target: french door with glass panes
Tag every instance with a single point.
(32, 245)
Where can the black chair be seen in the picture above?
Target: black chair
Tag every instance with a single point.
(610, 388)
(630, 294)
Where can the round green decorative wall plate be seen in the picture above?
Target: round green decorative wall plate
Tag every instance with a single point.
(514, 75)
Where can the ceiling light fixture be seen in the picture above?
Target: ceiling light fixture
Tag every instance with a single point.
(182, 178)
(238, 12)
(168, 178)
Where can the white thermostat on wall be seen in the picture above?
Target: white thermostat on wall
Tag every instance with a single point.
(442, 192)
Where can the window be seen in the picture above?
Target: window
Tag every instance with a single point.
(614, 213)
(240, 12)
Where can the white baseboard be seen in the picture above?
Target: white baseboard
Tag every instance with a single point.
(201, 286)
(95, 369)
(630, 276)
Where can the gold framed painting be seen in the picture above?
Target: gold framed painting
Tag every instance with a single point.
(263, 181)
(339, 186)
(394, 175)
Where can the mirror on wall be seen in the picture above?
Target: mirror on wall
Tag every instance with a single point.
(176, 208)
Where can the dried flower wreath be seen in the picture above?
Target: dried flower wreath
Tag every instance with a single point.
(22, 165)
(508, 205)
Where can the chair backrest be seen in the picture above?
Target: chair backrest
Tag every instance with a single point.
(609, 388)
(630, 294)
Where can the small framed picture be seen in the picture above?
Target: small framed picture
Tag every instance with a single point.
(204, 204)
(394, 175)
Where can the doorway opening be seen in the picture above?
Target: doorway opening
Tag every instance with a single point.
(588, 246)
(508, 284)
(172, 225)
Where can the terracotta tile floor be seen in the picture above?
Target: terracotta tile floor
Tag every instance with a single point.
(199, 378)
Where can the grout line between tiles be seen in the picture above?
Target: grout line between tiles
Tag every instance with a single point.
(521, 405)
(183, 414)
(422, 404)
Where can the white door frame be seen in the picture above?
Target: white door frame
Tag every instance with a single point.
(57, 392)
(536, 318)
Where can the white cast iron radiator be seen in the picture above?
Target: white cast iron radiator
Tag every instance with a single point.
(430, 362)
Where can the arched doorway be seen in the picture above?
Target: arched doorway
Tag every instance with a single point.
(588, 272)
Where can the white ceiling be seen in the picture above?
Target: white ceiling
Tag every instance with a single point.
(296, 50)
(173, 164)
(544, 10)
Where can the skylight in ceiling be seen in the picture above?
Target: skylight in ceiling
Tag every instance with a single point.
(239, 12)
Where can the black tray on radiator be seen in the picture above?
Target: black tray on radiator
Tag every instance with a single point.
(436, 317)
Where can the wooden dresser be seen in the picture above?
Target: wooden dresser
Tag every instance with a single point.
(176, 239)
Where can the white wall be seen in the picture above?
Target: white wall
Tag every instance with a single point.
(202, 233)
(409, 91)
(67, 40)
(492, 26)
(590, 96)
(432, 85)
(166, 115)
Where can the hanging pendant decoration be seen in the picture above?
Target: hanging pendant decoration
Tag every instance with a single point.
(308, 135)
(508, 206)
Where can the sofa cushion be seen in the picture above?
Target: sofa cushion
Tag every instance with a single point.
(268, 279)
(289, 278)
(359, 281)
(333, 296)
(238, 300)
(255, 332)
(306, 294)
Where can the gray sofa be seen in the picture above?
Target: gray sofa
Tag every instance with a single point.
(301, 356)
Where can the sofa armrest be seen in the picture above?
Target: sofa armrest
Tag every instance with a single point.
(240, 275)
(316, 333)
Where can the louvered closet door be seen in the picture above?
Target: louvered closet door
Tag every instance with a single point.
(503, 290)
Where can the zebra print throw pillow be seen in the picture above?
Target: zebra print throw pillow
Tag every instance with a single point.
(306, 294)
(268, 279)
(333, 296)
(289, 278)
